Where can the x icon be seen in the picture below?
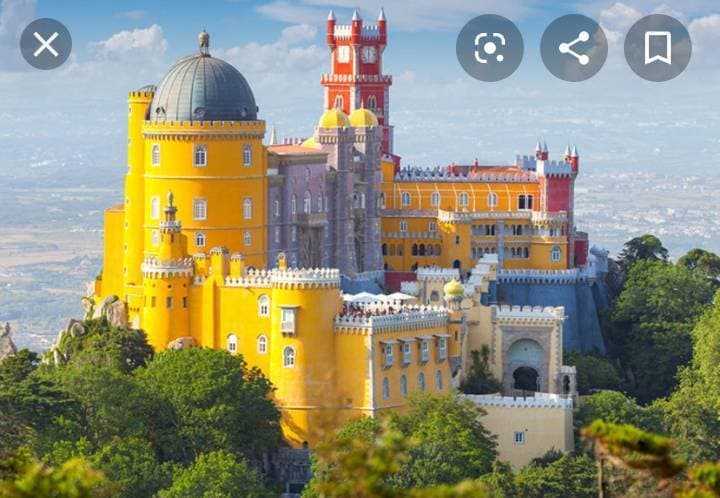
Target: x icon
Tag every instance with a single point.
(45, 44)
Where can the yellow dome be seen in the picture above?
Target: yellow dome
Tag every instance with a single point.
(334, 118)
(363, 117)
(453, 288)
(310, 143)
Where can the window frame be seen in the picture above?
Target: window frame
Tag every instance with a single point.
(231, 342)
(289, 357)
(262, 344)
(247, 155)
(200, 236)
(439, 386)
(200, 151)
(263, 304)
(247, 208)
(405, 199)
(155, 155)
(435, 199)
(200, 203)
(403, 385)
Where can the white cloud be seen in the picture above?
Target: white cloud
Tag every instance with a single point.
(140, 45)
(14, 16)
(620, 16)
(406, 15)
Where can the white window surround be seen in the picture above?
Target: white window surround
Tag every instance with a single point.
(556, 253)
(403, 385)
(435, 199)
(388, 352)
(200, 239)
(421, 381)
(247, 208)
(247, 155)
(519, 437)
(155, 159)
(247, 238)
(289, 357)
(155, 238)
(262, 344)
(200, 156)
(463, 199)
(263, 305)
(442, 348)
(232, 343)
(492, 199)
(405, 199)
(386, 388)
(432, 226)
(424, 351)
(287, 320)
(407, 352)
(403, 226)
(155, 208)
(438, 380)
(200, 208)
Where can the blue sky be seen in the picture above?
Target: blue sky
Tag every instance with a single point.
(441, 114)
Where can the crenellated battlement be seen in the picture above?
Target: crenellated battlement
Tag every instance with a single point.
(437, 274)
(296, 278)
(153, 267)
(409, 318)
(540, 400)
(527, 314)
(140, 95)
(570, 276)
(252, 278)
(356, 78)
(467, 174)
(179, 129)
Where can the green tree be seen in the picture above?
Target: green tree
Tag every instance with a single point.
(500, 482)
(220, 403)
(691, 411)
(569, 476)
(73, 479)
(480, 380)
(704, 262)
(653, 317)
(103, 345)
(451, 442)
(593, 371)
(645, 247)
(17, 367)
(132, 465)
(617, 408)
(214, 475)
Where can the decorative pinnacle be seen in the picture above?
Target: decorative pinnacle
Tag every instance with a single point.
(574, 152)
(567, 151)
(538, 147)
(331, 15)
(545, 149)
(204, 42)
(356, 16)
(381, 17)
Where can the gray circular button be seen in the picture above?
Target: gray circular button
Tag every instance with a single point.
(490, 48)
(658, 47)
(45, 43)
(574, 47)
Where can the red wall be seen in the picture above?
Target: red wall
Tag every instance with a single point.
(393, 279)
(557, 193)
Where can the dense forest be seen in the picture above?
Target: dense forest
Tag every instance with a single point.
(107, 416)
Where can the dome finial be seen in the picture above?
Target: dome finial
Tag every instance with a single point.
(204, 41)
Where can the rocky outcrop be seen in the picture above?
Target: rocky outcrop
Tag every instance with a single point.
(7, 347)
(182, 343)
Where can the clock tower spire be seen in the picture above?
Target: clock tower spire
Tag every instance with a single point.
(356, 79)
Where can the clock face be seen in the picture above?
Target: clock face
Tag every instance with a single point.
(369, 55)
(343, 54)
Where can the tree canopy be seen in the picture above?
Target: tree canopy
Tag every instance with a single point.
(644, 247)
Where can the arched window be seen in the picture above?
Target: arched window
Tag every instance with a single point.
(421, 250)
(155, 208)
(156, 155)
(400, 250)
(319, 202)
(421, 381)
(437, 250)
(492, 199)
(414, 250)
(403, 226)
(362, 200)
(339, 102)
(386, 388)
(307, 175)
(307, 203)
(430, 250)
(247, 155)
(372, 103)
(392, 250)
(289, 357)
(381, 200)
(435, 199)
(262, 344)
(264, 305)
(384, 250)
(293, 204)
(247, 208)
(405, 199)
(432, 226)
(403, 385)
(247, 238)
(438, 380)
(463, 199)
(200, 156)
(232, 343)
(276, 207)
(556, 253)
(200, 239)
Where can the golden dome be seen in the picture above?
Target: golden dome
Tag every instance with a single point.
(310, 143)
(334, 118)
(454, 289)
(363, 117)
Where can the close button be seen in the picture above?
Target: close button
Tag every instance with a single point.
(45, 43)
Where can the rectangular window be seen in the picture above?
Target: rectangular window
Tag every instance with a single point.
(199, 209)
(442, 348)
(155, 208)
(435, 199)
(153, 301)
(155, 155)
(168, 303)
(247, 208)
(403, 226)
(519, 437)
(276, 207)
(247, 155)
(525, 202)
(277, 235)
(432, 227)
(424, 351)
(185, 302)
(406, 350)
(155, 238)
(248, 239)
(287, 321)
(200, 156)
(293, 234)
(388, 350)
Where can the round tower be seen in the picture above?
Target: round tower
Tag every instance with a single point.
(138, 104)
(166, 284)
(304, 305)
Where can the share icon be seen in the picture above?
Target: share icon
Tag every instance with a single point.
(566, 48)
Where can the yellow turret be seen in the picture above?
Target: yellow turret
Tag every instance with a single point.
(362, 117)
(334, 118)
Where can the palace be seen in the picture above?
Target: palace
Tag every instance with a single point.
(225, 242)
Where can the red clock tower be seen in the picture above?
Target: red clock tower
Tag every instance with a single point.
(356, 78)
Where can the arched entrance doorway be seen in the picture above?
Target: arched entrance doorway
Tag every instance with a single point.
(525, 379)
(456, 264)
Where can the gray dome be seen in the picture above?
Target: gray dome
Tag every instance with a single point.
(202, 88)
